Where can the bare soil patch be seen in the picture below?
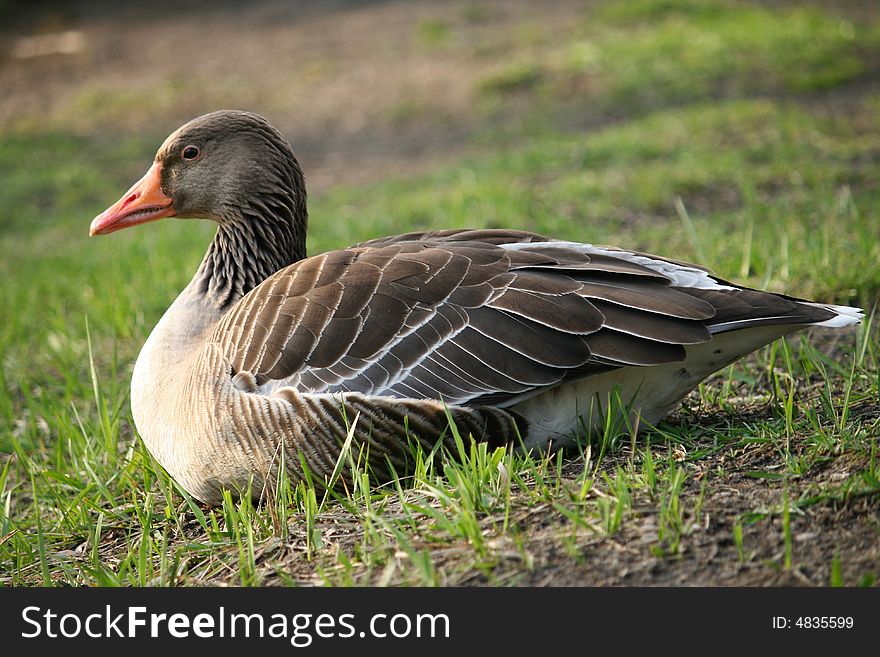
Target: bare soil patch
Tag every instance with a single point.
(364, 90)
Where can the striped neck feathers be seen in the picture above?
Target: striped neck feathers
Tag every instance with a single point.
(252, 243)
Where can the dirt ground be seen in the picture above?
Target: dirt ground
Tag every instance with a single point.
(361, 88)
(364, 93)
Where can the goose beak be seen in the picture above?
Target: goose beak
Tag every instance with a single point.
(144, 202)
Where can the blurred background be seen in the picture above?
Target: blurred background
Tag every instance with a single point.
(362, 88)
(365, 88)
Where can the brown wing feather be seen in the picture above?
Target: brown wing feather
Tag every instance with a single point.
(454, 315)
(757, 308)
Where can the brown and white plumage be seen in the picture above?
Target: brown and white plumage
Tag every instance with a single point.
(518, 337)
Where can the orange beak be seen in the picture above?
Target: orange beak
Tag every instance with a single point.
(142, 203)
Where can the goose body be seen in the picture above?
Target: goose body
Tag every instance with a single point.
(267, 356)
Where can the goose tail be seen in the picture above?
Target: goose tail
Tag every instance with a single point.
(843, 315)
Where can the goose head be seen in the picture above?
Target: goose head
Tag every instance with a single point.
(216, 166)
(234, 168)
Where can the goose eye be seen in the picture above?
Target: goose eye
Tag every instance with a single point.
(190, 153)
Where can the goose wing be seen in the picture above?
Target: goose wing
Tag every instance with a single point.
(469, 317)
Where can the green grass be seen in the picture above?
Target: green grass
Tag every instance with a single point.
(716, 152)
(641, 55)
(734, 47)
(772, 190)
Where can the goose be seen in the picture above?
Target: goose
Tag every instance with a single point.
(268, 356)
